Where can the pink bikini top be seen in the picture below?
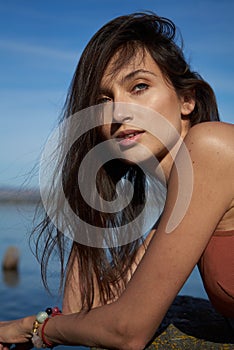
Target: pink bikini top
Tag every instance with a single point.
(217, 271)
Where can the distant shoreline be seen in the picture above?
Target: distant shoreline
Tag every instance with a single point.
(19, 195)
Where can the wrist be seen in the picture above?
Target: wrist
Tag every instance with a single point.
(26, 324)
(37, 328)
(46, 341)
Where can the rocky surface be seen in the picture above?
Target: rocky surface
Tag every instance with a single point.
(192, 323)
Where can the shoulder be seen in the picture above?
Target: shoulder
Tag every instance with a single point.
(205, 176)
(213, 133)
(210, 153)
(211, 141)
(211, 150)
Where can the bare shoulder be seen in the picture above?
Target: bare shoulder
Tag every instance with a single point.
(211, 149)
(211, 130)
(211, 139)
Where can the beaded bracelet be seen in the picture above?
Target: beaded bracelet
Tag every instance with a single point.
(48, 345)
(55, 312)
(42, 318)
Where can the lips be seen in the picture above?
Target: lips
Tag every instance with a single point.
(128, 137)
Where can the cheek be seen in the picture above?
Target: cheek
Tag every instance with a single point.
(165, 102)
(169, 107)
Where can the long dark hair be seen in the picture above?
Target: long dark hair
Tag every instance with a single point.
(125, 34)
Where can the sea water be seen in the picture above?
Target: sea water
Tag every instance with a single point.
(22, 293)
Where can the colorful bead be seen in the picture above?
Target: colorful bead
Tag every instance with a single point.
(41, 316)
(37, 341)
(49, 311)
(35, 326)
(55, 311)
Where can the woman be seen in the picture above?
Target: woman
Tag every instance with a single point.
(117, 297)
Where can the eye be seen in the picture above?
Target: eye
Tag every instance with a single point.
(140, 87)
(103, 99)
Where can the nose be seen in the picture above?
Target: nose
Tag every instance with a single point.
(121, 112)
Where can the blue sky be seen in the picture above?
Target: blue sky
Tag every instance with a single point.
(40, 44)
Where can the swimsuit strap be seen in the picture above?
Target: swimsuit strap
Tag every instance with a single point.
(224, 233)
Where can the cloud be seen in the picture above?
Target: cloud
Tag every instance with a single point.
(37, 50)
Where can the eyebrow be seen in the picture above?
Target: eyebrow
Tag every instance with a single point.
(128, 77)
(136, 72)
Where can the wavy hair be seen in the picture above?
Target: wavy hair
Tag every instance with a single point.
(125, 34)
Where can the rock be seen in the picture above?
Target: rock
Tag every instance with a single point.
(173, 338)
(196, 317)
(11, 259)
(192, 324)
(11, 278)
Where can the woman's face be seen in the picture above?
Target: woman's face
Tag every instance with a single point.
(143, 92)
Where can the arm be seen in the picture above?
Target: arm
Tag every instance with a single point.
(170, 258)
(131, 321)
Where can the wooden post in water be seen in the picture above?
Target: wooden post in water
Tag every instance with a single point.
(11, 259)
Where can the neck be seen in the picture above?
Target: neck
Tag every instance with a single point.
(165, 163)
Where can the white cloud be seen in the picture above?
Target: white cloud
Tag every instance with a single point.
(38, 50)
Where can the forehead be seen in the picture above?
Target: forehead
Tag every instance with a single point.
(117, 68)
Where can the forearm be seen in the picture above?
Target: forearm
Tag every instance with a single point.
(89, 329)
